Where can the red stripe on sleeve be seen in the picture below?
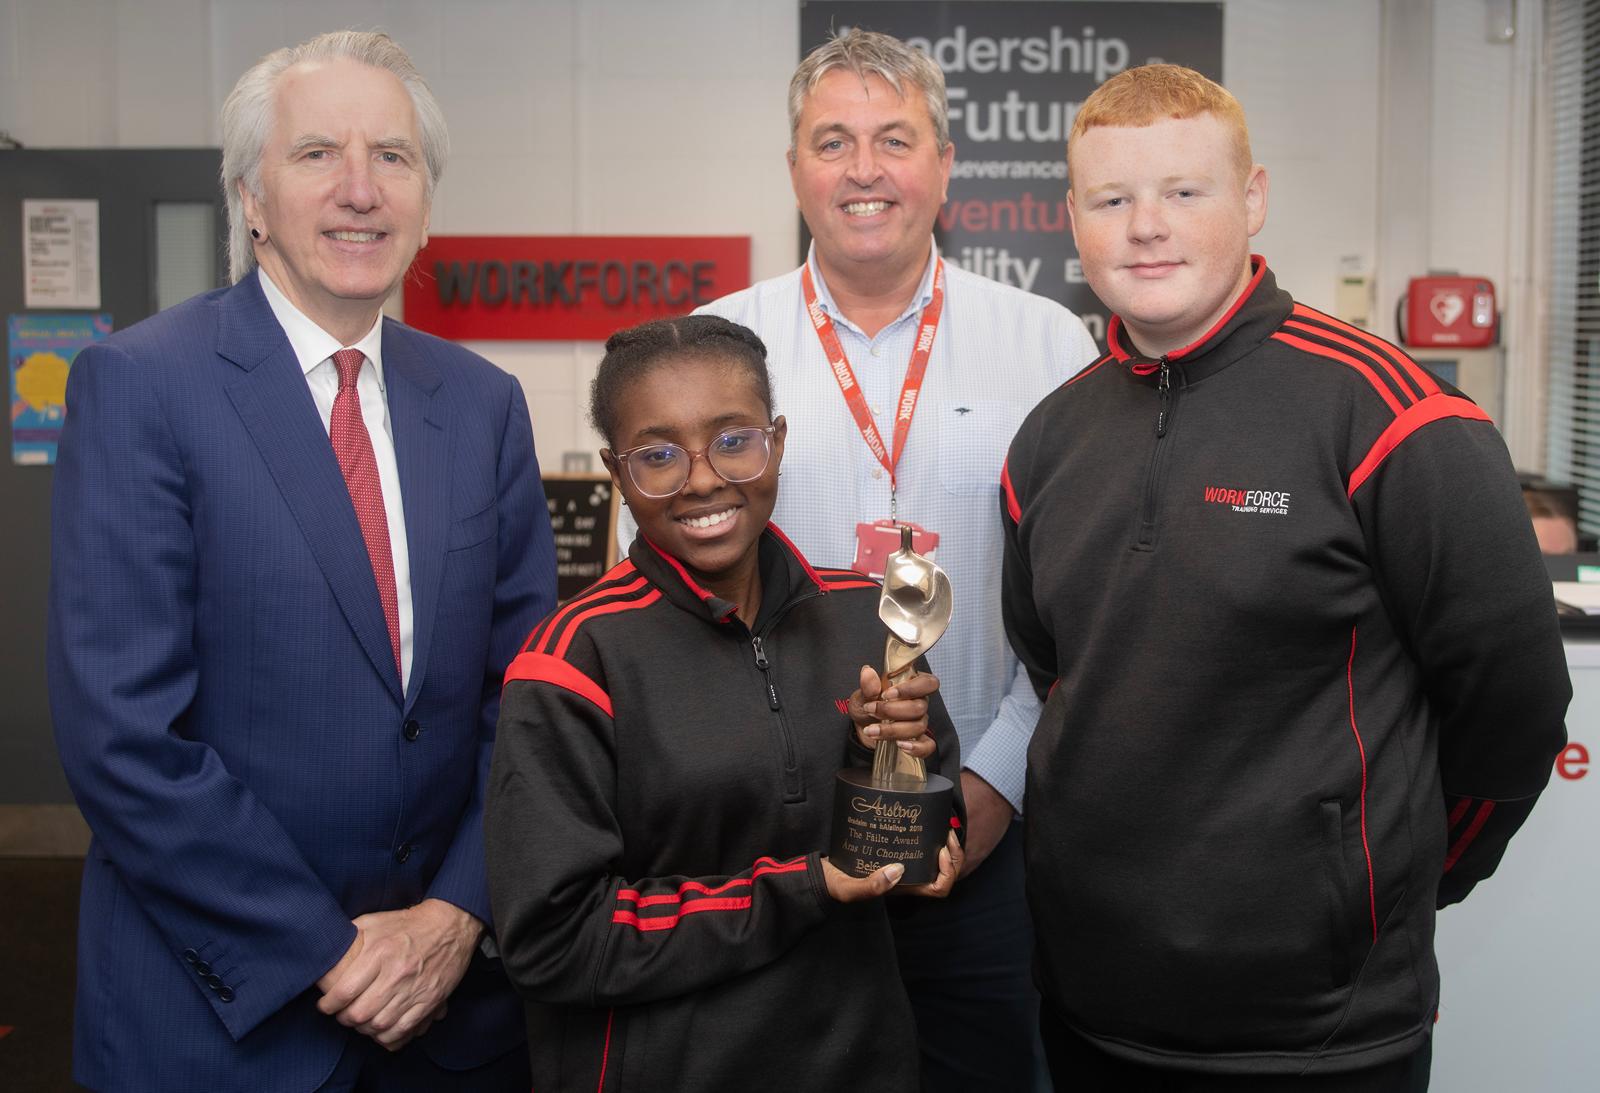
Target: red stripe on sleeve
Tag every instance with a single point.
(1429, 410)
(835, 579)
(1468, 835)
(667, 922)
(707, 899)
(1459, 811)
(546, 635)
(604, 609)
(1418, 375)
(763, 866)
(1012, 507)
(1344, 358)
(544, 668)
(1376, 358)
(632, 895)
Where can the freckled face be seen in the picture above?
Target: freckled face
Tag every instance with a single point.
(711, 525)
(1163, 218)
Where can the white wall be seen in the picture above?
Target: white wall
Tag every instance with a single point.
(641, 116)
(1471, 142)
(1313, 123)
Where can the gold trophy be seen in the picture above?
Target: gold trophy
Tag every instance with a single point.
(897, 811)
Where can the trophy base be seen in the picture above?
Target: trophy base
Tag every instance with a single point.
(901, 819)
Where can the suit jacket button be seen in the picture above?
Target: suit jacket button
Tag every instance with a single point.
(190, 955)
(402, 853)
(203, 968)
(412, 730)
(225, 994)
(214, 981)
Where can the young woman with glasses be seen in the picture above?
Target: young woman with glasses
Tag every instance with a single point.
(663, 775)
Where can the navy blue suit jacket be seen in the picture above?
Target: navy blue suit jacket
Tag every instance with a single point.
(225, 696)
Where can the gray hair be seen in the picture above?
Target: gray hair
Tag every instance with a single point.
(869, 53)
(247, 120)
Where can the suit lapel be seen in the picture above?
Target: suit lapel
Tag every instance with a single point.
(273, 401)
(422, 450)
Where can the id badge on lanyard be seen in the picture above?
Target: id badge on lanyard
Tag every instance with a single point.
(875, 541)
(881, 538)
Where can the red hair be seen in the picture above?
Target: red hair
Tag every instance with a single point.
(1145, 95)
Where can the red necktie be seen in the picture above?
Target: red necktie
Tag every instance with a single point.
(352, 447)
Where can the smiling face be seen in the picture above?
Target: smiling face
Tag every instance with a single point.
(1163, 218)
(344, 201)
(710, 525)
(868, 175)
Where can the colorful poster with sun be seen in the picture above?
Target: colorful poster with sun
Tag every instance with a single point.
(41, 349)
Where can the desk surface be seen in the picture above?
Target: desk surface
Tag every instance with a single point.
(1520, 958)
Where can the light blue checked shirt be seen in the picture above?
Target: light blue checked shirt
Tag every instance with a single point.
(999, 350)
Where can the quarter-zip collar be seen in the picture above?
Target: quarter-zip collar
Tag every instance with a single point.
(786, 576)
(1260, 309)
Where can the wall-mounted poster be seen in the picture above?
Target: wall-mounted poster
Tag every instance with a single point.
(1016, 72)
(41, 349)
(61, 253)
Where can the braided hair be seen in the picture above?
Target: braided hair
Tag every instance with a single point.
(634, 352)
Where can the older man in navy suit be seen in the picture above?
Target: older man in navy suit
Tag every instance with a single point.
(295, 546)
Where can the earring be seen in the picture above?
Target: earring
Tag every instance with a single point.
(254, 234)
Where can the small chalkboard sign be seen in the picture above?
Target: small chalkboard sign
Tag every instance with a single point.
(583, 512)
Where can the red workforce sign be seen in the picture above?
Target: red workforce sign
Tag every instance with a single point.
(566, 287)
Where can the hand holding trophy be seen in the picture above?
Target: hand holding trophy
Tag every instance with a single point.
(897, 811)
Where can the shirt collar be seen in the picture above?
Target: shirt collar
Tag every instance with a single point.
(311, 344)
(923, 296)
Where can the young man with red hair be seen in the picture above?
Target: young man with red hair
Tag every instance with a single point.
(1299, 656)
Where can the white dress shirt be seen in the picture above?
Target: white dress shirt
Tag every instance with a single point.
(998, 351)
(314, 347)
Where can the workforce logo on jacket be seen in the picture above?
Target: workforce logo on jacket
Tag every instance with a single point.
(1262, 502)
(1404, 704)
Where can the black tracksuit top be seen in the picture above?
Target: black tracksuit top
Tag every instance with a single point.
(662, 786)
(1304, 680)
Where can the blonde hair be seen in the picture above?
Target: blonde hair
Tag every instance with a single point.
(1145, 95)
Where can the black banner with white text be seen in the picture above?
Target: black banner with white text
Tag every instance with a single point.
(1016, 72)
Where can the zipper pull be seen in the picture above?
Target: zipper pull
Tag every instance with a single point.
(766, 672)
(1164, 392)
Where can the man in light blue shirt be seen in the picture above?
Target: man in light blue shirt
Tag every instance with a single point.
(870, 158)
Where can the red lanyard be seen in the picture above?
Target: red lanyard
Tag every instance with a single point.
(846, 377)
